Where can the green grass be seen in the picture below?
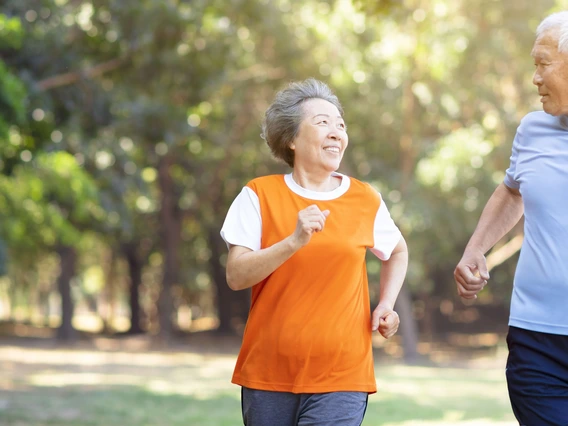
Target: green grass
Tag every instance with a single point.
(96, 388)
(439, 396)
(121, 405)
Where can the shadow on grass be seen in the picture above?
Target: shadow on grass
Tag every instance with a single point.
(63, 387)
(134, 406)
(399, 408)
(439, 396)
(115, 406)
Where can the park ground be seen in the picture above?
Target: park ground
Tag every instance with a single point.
(131, 381)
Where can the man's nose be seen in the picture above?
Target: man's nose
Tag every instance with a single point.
(537, 78)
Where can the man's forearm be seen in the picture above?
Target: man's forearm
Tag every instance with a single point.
(501, 213)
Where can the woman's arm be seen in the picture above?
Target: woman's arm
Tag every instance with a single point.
(246, 267)
(393, 272)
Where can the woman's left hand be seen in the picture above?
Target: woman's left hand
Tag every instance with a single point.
(385, 320)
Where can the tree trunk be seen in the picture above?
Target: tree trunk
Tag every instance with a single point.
(109, 294)
(170, 220)
(68, 258)
(135, 273)
(223, 292)
(408, 329)
(44, 306)
(232, 307)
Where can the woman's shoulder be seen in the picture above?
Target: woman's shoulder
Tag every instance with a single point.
(364, 189)
(362, 185)
(265, 181)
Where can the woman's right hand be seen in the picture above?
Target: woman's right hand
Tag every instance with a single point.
(310, 220)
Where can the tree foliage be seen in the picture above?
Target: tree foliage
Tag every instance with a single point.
(135, 124)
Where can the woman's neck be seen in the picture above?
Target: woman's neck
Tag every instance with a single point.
(316, 182)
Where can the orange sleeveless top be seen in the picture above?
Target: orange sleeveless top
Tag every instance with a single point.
(309, 327)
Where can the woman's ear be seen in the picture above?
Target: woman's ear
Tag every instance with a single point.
(292, 146)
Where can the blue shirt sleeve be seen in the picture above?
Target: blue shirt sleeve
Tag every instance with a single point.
(510, 180)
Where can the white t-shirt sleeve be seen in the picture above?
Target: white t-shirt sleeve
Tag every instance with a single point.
(386, 233)
(243, 223)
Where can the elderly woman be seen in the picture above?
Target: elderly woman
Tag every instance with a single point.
(299, 240)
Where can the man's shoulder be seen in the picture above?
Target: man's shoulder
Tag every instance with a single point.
(538, 118)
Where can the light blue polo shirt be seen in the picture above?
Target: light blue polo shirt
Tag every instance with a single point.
(539, 169)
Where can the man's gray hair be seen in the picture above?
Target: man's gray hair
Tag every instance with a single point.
(556, 21)
(282, 119)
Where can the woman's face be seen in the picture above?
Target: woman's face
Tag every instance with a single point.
(322, 137)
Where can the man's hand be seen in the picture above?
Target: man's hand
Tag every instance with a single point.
(471, 274)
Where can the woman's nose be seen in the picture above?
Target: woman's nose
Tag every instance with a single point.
(334, 135)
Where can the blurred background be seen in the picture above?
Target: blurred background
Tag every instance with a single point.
(128, 127)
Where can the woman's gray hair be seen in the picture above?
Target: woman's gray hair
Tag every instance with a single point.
(282, 119)
(556, 21)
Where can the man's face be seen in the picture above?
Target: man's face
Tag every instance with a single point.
(551, 74)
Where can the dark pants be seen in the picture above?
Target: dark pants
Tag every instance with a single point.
(266, 408)
(537, 377)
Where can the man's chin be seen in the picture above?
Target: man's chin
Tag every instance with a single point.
(555, 110)
(551, 111)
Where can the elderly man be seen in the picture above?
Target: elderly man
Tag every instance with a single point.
(536, 184)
